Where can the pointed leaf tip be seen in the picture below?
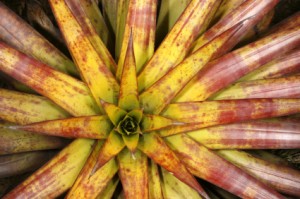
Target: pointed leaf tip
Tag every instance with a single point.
(128, 96)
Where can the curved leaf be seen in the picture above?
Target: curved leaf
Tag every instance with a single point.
(217, 170)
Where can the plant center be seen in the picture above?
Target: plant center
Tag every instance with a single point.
(128, 126)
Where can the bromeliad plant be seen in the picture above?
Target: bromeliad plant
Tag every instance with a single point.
(156, 121)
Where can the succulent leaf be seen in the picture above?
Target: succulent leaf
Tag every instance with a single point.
(31, 42)
(72, 94)
(16, 141)
(96, 127)
(155, 191)
(229, 68)
(278, 133)
(270, 88)
(92, 66)
(133, 173)
(156, 97)
(140, 28)
(283, 178)
(230, 178)
(155, 148)
(111, 147)
(151, 124)
(91, 182)
(180, 38)
(24, 108)
(128, 97)
(58, 175)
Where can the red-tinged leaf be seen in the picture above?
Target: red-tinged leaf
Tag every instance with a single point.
(282, 178)
(156, 97)
(222, 72)
(285, 65)
(92, 66)
(228, 111)
(56, 176)
(31, 42)
(277, 134)
(207, 165)
(114, 113)
(140, 23)
(155, 148)
(128, 96)
(16, 164)
(155, 191)
(198, 115)
(96, 127)
(133, 172)
(85, 13)
(67, 92)
(288, 87)
(253, 10)
(16, 141)
(90, 183)
(111, 147)
(155, 122)
(179, 40)
(24, 108)
(287, 23)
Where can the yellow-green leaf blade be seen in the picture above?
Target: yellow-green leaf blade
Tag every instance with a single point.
(156, 97)
(24, 108)
(128, 97)
(114, 113)
(174, 188)
(67, 92)
(176, 45)
(155, 148)
(87, 14)
(155, 122)
(16, 141)
(111, 147)
(96, 127)
(133, 174)
(90, 183)
(58, 175)
(95, 17)
(131, 141)
(209, 166)
(92, 67)
(155, 191)
(110, 13)
(169, 12)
